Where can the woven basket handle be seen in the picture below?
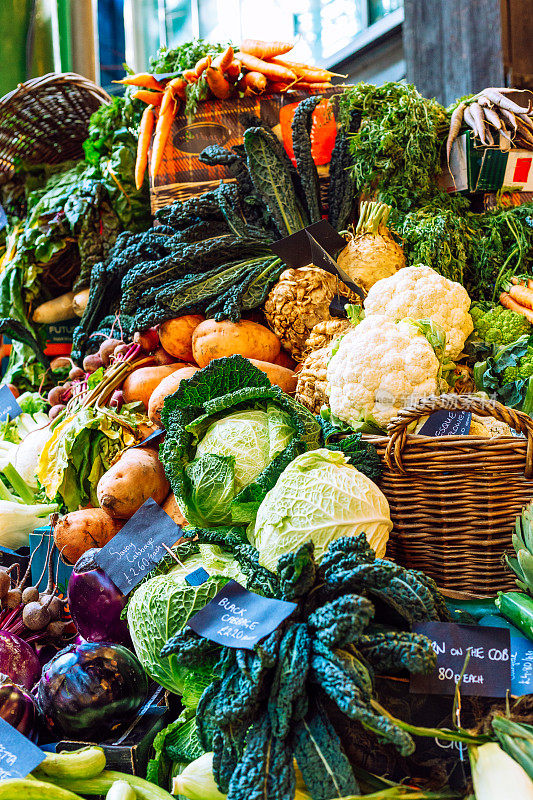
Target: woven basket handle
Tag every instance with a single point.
(397, 428)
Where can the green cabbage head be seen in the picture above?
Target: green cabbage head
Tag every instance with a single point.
(161, 606)
(319, 497)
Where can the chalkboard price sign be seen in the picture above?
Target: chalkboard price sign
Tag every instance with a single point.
(488, 672)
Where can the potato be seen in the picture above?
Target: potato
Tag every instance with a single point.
(172, 509)
(167, 386)
(137, 475)
(278, 376)
(140, 384)
(78, 531)
(175, 335)
(218, 339)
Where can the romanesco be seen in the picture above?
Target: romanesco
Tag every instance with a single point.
(498, 325)
(522, 371)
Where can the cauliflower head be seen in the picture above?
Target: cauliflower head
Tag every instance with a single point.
(380, 367)
(421, 293)
(498, 325)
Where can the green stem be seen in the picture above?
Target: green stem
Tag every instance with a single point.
(459, 735)
(19, 485)
(5, 494)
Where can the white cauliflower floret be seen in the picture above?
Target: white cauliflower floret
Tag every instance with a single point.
(380, 367)
(421, 293)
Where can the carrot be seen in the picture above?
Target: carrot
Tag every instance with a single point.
(522, 294)
(523, 281)
(142, 79)
(302, 70)
(177, 87)
(145, 134)
(218, 84)
(319, 87)
(308, 73)
(190, 76)
(274, 87)
(162, 130)
(202, 65)
(274, 71)
(260, 49)
(233, 70)
(148, 97)
(253, 83)
(507, 302)
(223, 61)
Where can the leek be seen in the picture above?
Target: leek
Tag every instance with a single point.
(496, 775)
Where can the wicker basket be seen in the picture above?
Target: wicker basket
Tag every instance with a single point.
(454, 499)
(46, 120)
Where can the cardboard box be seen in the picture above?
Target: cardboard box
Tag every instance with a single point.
(182, 174)
(475, 168)
(37, 565)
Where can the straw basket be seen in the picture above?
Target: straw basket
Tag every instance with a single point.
(454, 499)
(46, 119)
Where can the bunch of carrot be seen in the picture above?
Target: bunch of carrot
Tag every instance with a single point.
(256, 68)
(518, 296)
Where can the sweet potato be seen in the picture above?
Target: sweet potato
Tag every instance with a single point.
(140, 384)
(277, 375)
(175, 335)
(137, 475)
(167, 386)
(172, 509)
(284, 359)
(218, 339)
(78, 531)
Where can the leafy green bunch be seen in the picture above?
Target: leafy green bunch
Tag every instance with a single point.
(271, 705)
(396, 150)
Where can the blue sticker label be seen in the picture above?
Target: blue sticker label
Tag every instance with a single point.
(238, 618)
(139, 546)
(8, 404)
(488, 672)
(521, 655)
(151, 438)
(3, 217)
(447, 423)
(18, 756)
(197, 577)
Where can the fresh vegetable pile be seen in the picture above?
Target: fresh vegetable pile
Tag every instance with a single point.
(233, 387)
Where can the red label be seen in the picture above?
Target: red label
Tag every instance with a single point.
(521, 170)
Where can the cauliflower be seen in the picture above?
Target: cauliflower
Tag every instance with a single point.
(498, 325)
(421, 293)
(380, 367)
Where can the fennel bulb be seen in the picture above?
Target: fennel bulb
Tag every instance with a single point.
(497, 776)
(18, 520)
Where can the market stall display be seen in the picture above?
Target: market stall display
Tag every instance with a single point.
(287, 459)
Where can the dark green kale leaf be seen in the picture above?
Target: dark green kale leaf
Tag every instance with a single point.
(301, 140)
(322, 761)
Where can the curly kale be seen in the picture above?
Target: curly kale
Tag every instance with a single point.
(360, 454)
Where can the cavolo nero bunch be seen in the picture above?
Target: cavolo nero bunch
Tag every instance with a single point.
(268, 706)
(211, 254)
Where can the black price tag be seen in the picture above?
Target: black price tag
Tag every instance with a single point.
(139, 546)
(197, 577)
(488, 672)
(151, 438)
(18, 756)
(447, 423)
(8, 404)
(315, 245)
(238, 618)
